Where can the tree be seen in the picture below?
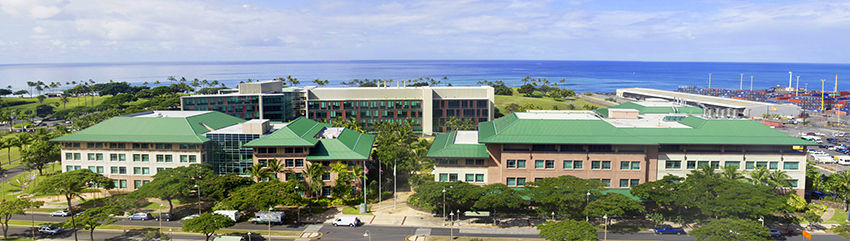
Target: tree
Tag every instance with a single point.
(71, 185)
(499, 196)
(731, 229)
(258, 172)
(15, 207)
(760, 176)
(263, 195)
(21, 93)
(313, 174)
(841, 184)
(503, 90)
(564, 195)
(526, 89)
(41, 98)
(207, 224)
(341, 187)
(170, 184)
(41, 153)
(843, 230)
(568, 230)
(731, 173)
(220, 187)
(458, 195)
(456, 124)
(613, 204)
(274, 166)
(96, 217)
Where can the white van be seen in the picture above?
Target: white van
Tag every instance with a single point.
(843, 160)
(347, 221)
(266, 217)
(232, 214)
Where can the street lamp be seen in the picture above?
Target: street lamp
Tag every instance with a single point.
(270, 223)
(249, 235)
(367, 234)
(451, 226)
(553, 216)
(605, 219)
(160, 218)
(198, 186)
(297, 218)
(586, 202)
(761, 219)
(444, 205)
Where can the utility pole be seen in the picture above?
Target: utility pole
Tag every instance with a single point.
(751, 83)
(395, 185)
(797, 90)
(709, 80)
(742, 82)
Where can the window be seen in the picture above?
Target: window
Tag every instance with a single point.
(326, 177)
(520, 163)
(91, 157)
(444, 177)
(470, 178)
(568, 164)
(117, 157)
(793, 183)
(69, 156)
(452, 177)
(751, 165)
(184, 158)
(672, 164)
(625, 165)
(511, 164)
(118, 170)
(137, 170)
(538, 179)
(578, 165)
(78, 156)
(624, 182)
(165, 146)
(479, 177)
(140, 145)
(607, 182)
(137, 184)
(715, 164)
(606, 165)
(539, 164)
(636, 165)
(169, 158)
(702, 163)
(299, 162)
(773, 165)
(289, 163)
(692, 164)
(193, 159)
(146, 170)
(595, 165)
(326, 191)
(326, 163)
(731, 163)
(121, 183)
(634, 182)
(550, 164)
(791, 166)
(761, 164)
(520, 181)
(160, 158)
(511, 181)
(477, 162)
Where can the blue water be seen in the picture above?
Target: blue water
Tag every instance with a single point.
(582, 76)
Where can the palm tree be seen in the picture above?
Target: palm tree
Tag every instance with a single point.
(274, 166)
(8, 144)
(314, 174)
(22, 141)
(64, 100)
(731, 173)
(258, 172)
(760, 176)
(779, 179)
(358, 174)
(841, 183)
(704, 171)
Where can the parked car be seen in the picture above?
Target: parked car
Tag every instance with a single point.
(189, 217)
(60, 213)
(165, 217)
(774, 232)
(47, 229)
(140, 216)
(669, 230)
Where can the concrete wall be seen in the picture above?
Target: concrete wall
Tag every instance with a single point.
(129, 164)
(260, 87)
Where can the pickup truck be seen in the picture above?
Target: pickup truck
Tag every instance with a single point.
(669, 230)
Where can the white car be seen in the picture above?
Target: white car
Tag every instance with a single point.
(47, 229)
(60, 213)
(189, 217)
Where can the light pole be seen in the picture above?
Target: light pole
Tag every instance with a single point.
(444, 205)
(297, 218)
(553, 216)
(198, 186)
(586, 202)
(249, 235)
(709, 81)
(458, 216)
(761, 219)
(4, 187)
(160, 218)
(270, 223)
(451, 226)
(742, 82)
(605, 219)
(367, 234)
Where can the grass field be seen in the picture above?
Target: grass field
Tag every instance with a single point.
(545, 103)
(72, 101)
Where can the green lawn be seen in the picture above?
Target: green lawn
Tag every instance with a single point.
(72, 101)
(356, 210)
(10, 191)
(838, 218)
(546, 102)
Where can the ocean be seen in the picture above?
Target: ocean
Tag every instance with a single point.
(582, 76)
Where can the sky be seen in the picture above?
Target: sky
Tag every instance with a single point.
(80, 31)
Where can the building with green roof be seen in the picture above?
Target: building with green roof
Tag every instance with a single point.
(131, 149)
(305, 142)
(623, 149)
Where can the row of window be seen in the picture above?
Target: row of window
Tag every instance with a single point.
(117, 170)
(285, 150)
(573, 164)
(520, 181)
(136, 157)
(469, 162)
(286, 162)
(161, 146)
(749, 165)
(335, 105)
(470, 177)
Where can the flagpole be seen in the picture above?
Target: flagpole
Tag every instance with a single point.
(380, 176)
(395, 185)
(364, 186)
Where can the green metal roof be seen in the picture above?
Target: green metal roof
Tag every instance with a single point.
(651, 109)
(444, 146)
(510, 129)
(154, 129)
(348, 145)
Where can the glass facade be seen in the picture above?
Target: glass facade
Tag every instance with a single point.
(277, 107)
(227, 155)
(476, 110)
(368, 112)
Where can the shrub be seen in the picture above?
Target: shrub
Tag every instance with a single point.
(537, 94)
